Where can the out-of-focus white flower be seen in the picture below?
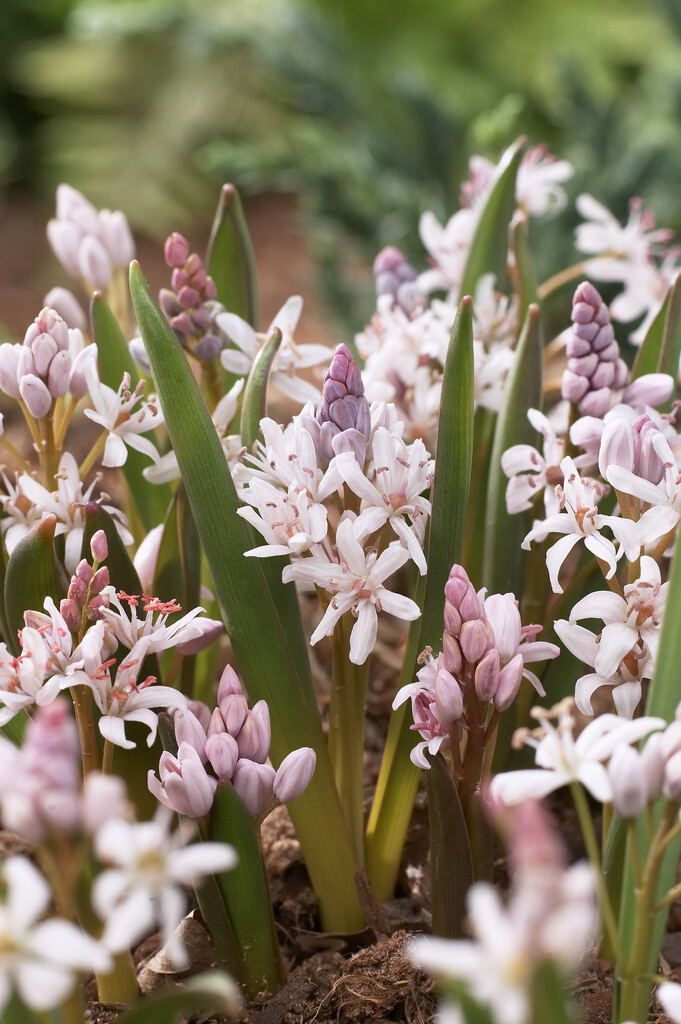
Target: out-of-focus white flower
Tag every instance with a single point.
(23, 680)
(143, 886)
(615, 247)
(562, 759)
(356, 583)
(89, 243)
(669, 995)
(40, 960)
(290, 358)
(447, 247)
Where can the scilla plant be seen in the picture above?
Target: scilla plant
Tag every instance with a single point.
(402, 485)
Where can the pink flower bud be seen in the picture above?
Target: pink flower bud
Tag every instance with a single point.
(671, 787)
(222, 751)
(448, 698)
(649, 389)
(119, 240)
(64, 238)
(99, 546)
(487, 676)
(176, 250)
(509, 683)
(234, 709)
(216, 724)
(100, 580)
(628, 781)
(43, 350)
(78, 386)
(77, 591)
(68, 307)
(184, 785)
(470, 607)
(653, 762)
(229, 684)
(59, 375)
(504, 617)
(73, 206)
(255, 734)
(36, 396)
(189, 730)
(202, 712)
(452, 658)
(94, 262)
(473, 639)
(255, 785)
(452, 618)
(70, 612)
(294, 774)
(211, 629)
(617, 446)
(84, 571)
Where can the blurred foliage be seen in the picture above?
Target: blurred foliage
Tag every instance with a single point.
(368, 110)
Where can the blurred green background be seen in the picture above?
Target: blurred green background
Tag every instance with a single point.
(368, 111)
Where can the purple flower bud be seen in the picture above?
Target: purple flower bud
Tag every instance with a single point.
(100, 580)
(188, 297)
(99, 546)
(343, 405)
(294, 774)
(234, 709)
(255, 785)
(36, 396)
(452, 658)
(448, 698)
(222, 751)
(176, 250)
(510, 678)
(229, 684)
(208, 348)
(594, 365)
(70, 612)
(649, 389)
(255, 735)
(84, 571)
(487, 676)
(201, 711)
(189, 730)
(474, 639)
(184, 785)
(67, 305)
(94, 262)
(210, 631)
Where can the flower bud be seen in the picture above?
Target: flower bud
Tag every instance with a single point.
(229, 684)
(70, 613)
(176, 250)
(84, 572)
(9, 369)
(509, 683)
(100, 580)
(80, 368)
(474, 639)
(617, 446)
(64, 238)
(94, 262)
(448, 698)
(222, 751)
(99, 546)
(343, 406)
(67, 305)
(671, 787)
(104, 797)
(233, 710)
(117, 236)
(487, 676)
(653, 763)
(201, 711)
(146, 557)
(216, 724)
(294, 774)
(255, 735)
(503, 615)
(452, 658)
(628, 781)
(59, 375)
(36, 396)
(255, 785)
(210, 631)
(184, 785)
(189, 730)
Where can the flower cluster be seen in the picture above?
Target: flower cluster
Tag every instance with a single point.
(90, 244)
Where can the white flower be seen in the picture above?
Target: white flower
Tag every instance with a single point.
(67, 504)
(114, 411)
(447, 247)
(669, 995)
(562, 759)
(40, 961)
(129, 628)
(495, 316)
(67, 666)
(126, 700)
(581, 520)
(530, 471)
(143, 888)
(663, 499)
(622, 247)
(290, 523)
(23, 680)
(540, 177)
(356, 582)
(402, 473)
(290, 358)
(625, 650)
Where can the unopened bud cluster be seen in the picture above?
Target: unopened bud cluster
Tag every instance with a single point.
(90, 244)
(233, 742)
(84, 597)
(190, 303)
(594, 368)
(51, 362)
(343, 413)
(398, 279)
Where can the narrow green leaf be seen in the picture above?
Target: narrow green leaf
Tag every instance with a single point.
(550, 1001)
(31, 576)
(526, 276)
(230, 258)
(398, 779)
(150, 501)
(489, 249)
(213, 992)
(274, 665)
(671, 340)
(246, 894)
(451, 864)
(648, 356)
(255, 393)
(4, 625)
(502, 553)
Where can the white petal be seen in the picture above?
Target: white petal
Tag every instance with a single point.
(363, 636)
(556, 555)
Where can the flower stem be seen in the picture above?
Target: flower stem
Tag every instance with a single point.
(107, 757)
(120, 984)
(92, 456)
(85, 720)
(591, 843)
(346, 730)
(16, 454)
(60, 425)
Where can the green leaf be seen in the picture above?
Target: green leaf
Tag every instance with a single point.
(451, 864)
(661, 346)
(502, 553)
(648, 356)
(489, 249)
(398, 779)
(255, 393)
(526, 277)
(273, 664)
(149, 501)
(550, 1001)
(32, 575)
(246, 894)
(230, 258)
(213, 992)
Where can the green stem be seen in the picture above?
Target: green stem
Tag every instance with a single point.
(477, 822)
(346, 730)
(591, 843)
(92, 456)
(16, 454)
(85, 720)
(120, 984)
